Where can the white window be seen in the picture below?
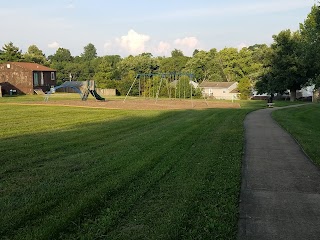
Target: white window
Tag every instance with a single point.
(53, 77)
(42, 79)
(35, 79)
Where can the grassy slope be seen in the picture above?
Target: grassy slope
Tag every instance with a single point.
(69, 172)
(304, 124)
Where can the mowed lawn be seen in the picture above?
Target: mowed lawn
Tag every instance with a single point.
(304, 124)
(73, 173)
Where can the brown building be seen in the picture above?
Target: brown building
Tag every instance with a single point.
(24, 77)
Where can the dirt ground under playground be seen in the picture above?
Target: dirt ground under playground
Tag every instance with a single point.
(160, 104)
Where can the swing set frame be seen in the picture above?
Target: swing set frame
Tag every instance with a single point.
(162, 76)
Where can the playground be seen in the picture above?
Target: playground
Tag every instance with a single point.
(144, 94)
(72, 99)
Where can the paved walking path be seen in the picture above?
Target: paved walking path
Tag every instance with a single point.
(280, 193)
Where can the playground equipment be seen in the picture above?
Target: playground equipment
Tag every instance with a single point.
(179, 85)
(84, 88)
(152, 84)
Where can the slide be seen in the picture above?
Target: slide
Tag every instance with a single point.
(96, 95)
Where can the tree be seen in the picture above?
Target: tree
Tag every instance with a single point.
(107, 70)
(34, 54)
(244, 88)
(61, 55)
(142, 63)
(62, 61)
(195, 52)
(90, 52)
(310, 32)
(228, 59)
(198, 65)
(10, 53)
(176, 53)
(183, 87)
(287, 67)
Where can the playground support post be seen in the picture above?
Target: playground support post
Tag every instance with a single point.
(158, 92)
(130, 88)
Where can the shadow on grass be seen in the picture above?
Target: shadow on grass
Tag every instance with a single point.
(169, 174)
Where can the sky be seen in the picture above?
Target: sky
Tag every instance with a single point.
(125, 27)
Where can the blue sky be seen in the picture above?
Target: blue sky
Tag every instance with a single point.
(133, 26)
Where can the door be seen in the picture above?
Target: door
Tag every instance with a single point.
(35, 79)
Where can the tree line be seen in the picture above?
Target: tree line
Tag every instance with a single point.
(294, 61)
(291, 62)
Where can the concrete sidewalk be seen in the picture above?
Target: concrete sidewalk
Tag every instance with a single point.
(280, 192)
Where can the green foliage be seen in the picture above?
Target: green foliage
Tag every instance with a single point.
(177, 53)
(34, 54)
(200, 65)
(244, 88)
(287, 66)
(61, 55)
(10, 53)
(310, 32)
(90, 52)
(143, 63)
(184, 88)
(175, 64)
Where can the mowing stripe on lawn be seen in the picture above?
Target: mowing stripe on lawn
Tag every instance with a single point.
(112, 174)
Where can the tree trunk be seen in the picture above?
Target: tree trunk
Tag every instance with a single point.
(316, 95)
(293, 95)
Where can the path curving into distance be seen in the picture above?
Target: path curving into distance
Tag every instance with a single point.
(280, 192)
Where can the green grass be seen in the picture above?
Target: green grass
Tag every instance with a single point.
(94, 173)
(282, 103)
(304, 124)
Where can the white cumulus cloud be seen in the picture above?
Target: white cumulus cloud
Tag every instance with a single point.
(133, 42)
(242, 45)
(163, 48)
(54, 45)
(187, 45)
(190, 42)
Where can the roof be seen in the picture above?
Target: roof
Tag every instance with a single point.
(32, 66)
(216, 84)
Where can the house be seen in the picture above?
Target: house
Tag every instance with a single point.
(220, 90)
(24, 77)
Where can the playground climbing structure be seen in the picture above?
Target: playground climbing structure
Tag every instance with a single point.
(84, 88)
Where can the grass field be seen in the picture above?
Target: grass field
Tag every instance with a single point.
(73, 173)
(304, 124)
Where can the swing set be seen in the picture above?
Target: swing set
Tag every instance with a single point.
(153, 85)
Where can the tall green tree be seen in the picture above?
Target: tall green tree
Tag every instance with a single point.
(244, 88)
(89, 53)
(10, 53)
(107, 71)
(62, 62)
(205, 66)
(143, 63)
(61, 55)
(176, 53)
(34, 54)
(287, 66)
(228, 59)
(310, 32)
